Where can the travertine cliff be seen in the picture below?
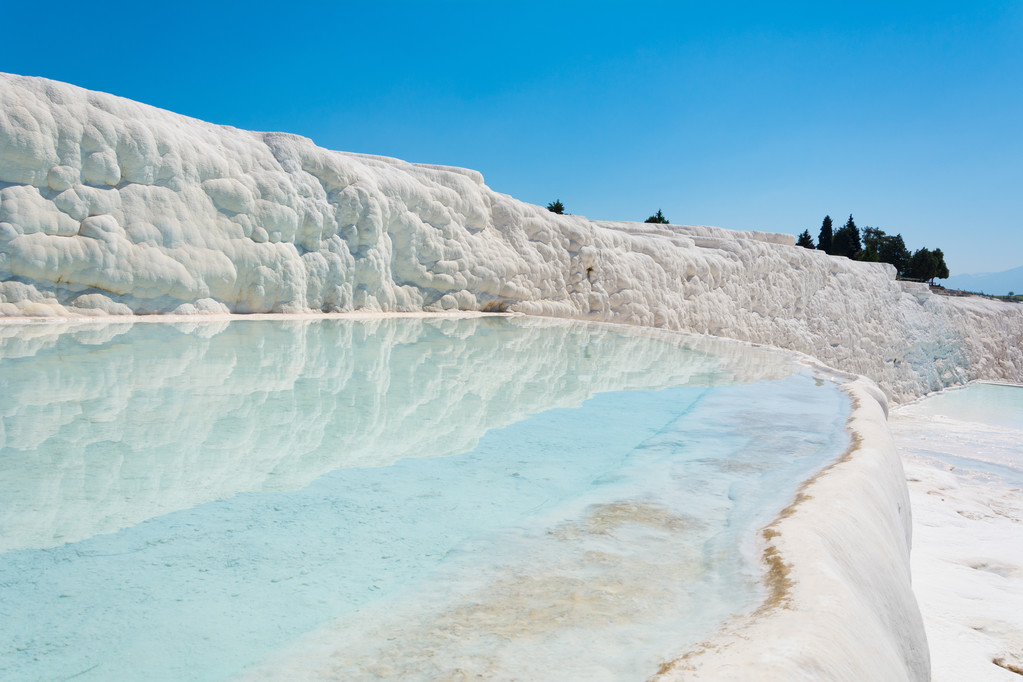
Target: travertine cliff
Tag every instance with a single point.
(108, 206)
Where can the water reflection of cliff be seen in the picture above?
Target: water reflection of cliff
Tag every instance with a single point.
(102, 427)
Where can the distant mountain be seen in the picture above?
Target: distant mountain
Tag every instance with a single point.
(997, 283)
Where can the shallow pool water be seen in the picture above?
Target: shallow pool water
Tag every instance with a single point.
(998, 405)
(982, 422)
(400, 498)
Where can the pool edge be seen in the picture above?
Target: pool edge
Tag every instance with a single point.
(840, 603)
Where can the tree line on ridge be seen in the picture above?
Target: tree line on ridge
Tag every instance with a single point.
(875, 246)
(557, 207)
(871, 245)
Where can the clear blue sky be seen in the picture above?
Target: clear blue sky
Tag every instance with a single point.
(747, 115)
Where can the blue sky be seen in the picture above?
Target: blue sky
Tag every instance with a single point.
(746, 115)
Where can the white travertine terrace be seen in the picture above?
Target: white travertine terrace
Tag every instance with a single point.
(110, 207)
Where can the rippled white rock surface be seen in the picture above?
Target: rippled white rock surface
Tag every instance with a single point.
(963, 451)
(112, 207)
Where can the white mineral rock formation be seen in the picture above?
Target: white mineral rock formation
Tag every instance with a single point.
(964, 465)
(111, 207)
(841, 564)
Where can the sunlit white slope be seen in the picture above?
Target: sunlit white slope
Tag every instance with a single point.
(963, 451)
(108, 206)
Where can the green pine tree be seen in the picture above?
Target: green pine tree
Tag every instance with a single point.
(846, 242)
(556, 207)
(657, 218)
(873, 239)
(923, 265)
(940, 269)
(805, 240)
(893, 250)
(825, 236)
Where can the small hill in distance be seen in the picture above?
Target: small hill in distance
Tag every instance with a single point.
(993, 283)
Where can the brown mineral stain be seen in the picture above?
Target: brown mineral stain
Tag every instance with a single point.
(581, 584)
(778, 573)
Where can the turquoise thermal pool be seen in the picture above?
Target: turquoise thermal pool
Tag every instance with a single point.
(994, 405)
(415, 498)
(983, 422)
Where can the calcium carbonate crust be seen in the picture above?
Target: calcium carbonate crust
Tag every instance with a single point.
(111, 207)
(841, 605)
